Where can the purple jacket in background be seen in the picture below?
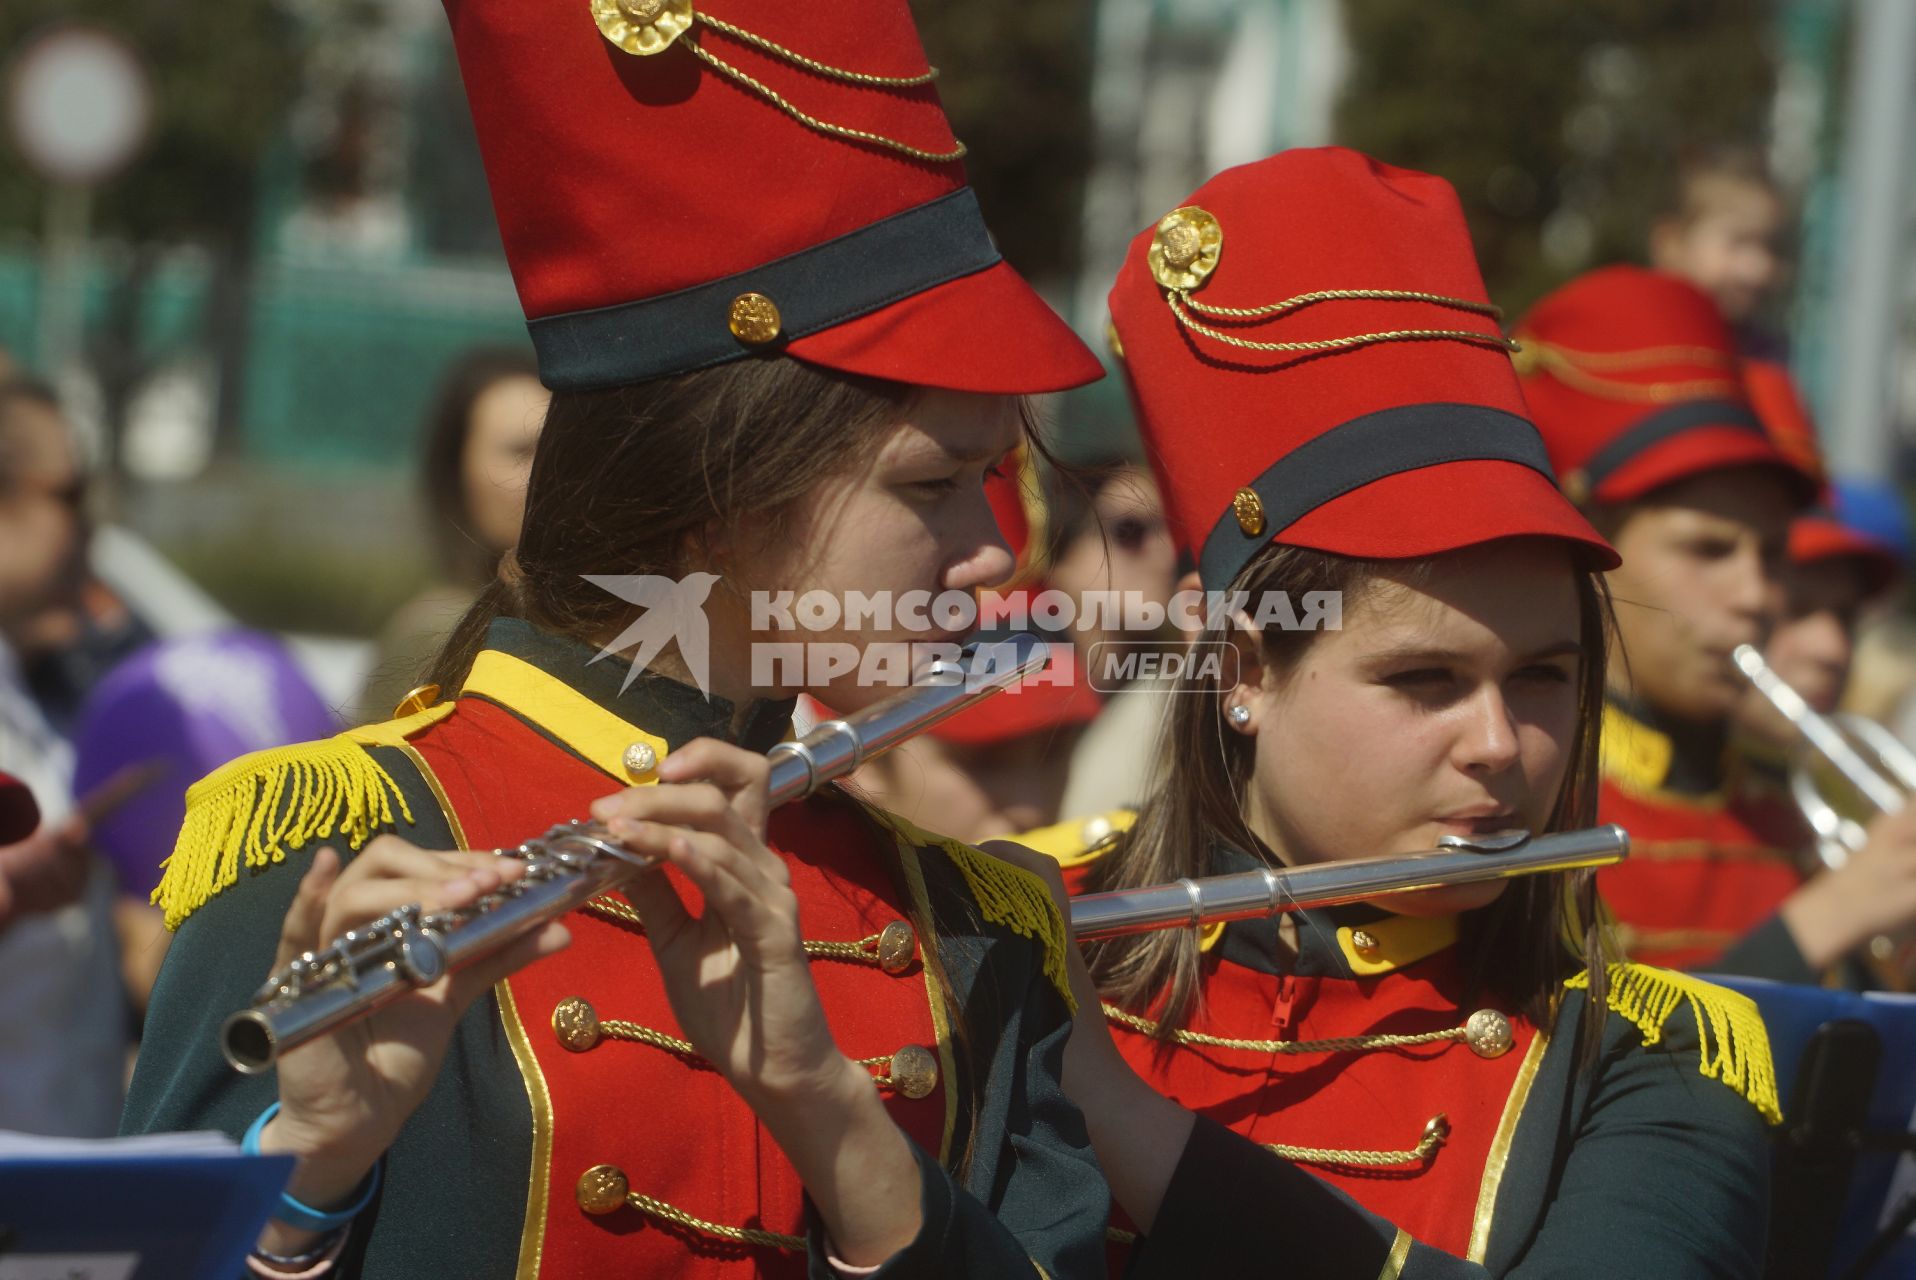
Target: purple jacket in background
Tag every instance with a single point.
(186, 706)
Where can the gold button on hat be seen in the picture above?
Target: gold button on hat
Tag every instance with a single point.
(897, 944)
(754, 319)
(914, 1071)
(640, 759)
(576, 1024)
(602, 1189)
(1249, 510)
(1488, 1034)
(1365, 944)
(1096, 831)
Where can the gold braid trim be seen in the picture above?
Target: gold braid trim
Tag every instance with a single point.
(1340, 295)
(864, 951)
(253, 810)
(1735, 1047)
(812, 64)
(1178, 299)
(784, 104)
(1436, 1133)
(1344, 1044)
(660, 1211)
(1576, 369)
(632, 1032)
(1006, 895)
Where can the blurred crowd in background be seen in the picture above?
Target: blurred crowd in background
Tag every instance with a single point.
(267, 407)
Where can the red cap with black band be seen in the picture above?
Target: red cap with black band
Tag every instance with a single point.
(1315, 362)
(677, 189)
(1634, 379)
(1818, 534)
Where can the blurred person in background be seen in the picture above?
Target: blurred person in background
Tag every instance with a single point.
(1635, 382)
(1722, 230)
(1109, 535)
(1832, 572)
(173, 713)
(480, 435)
(62, 1010)
(996, 769)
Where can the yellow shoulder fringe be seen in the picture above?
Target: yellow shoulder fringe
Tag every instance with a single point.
(1735, 1047)
(254, 809)
(1007, 895)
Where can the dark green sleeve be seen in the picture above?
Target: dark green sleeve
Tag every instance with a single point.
(476, 1120)
(1668, 1175)
(1030, 1198)
(1235, 1209)
(1767, 951)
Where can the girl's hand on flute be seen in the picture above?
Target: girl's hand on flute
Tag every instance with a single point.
(741, 987)
(343, 1096)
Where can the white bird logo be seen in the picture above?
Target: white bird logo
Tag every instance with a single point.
(674, 610)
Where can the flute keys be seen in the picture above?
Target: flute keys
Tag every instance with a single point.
(602, 1189)
(897, 945)
(1488, 1034)
(914, 1071)
(576, 1024)
(640, 759)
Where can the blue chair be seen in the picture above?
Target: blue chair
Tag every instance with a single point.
(1845, 1174)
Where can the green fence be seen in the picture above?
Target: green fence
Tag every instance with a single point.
(340, 360)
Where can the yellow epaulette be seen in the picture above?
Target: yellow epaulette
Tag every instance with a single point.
(1734, 1045)
(1634, 756)
(1079, 840)
(255, 808)
(1006, 895)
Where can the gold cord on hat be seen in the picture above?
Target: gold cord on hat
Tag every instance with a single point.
(646, 27)
(1187, 247)
(1583, 370)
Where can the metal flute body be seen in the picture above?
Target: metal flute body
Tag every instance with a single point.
(1268, 891)
(573, 863)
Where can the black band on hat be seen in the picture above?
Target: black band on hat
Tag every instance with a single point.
(1660, 426)
(1358, 452)
(842, 278)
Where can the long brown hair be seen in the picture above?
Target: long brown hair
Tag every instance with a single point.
(633, 479)
(1539, 931)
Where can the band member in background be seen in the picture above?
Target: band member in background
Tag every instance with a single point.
(1635, 383)
(1723, 228)
(1833, 571)
(993, 770)
(787, 362)
(1458, 1082)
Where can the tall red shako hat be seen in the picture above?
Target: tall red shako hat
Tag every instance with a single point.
(682, 183)
(1315, 362)
(1634, 380)
(1817, 534)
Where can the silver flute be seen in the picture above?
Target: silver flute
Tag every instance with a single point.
(574, 862)
(1268, 891)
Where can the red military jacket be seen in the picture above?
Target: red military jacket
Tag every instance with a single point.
(1444, 1133)
(1705, 875)
(572, 1131)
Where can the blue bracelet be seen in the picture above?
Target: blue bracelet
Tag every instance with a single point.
(296, 1214)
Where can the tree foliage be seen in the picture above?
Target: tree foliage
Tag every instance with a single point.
(1015, 78)
(222, 73)
(1558, 123)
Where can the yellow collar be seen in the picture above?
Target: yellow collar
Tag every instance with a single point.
(1394, 942)
(588, 730)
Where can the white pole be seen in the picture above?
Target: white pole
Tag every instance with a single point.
(1865, 316)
